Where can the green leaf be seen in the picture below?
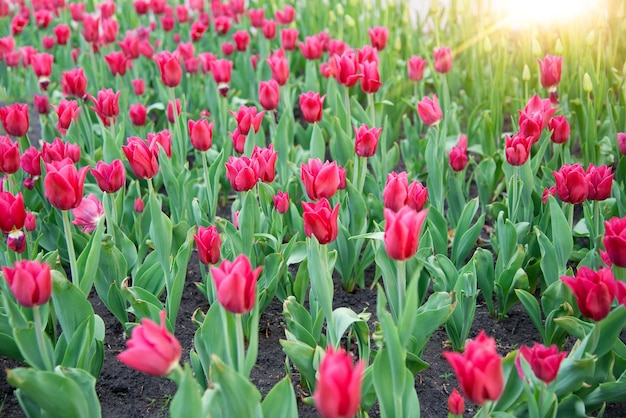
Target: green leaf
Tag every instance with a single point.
(234, 395)
(70, 305)
(187, 401)
(561, 234)
(90, 258)
(160, 232)
(281, 401)
(532, 309)
(318, 144)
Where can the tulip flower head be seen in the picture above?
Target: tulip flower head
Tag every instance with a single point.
(402, 230)
(443, 59)
(550, 68)
(415, 68)
(13, 212)
(338, 387)
(67, 112)
(366, 141)
(621, 142)
(599, 182)
(152, 349)
(265, 160)
(378, 37)
(615, 240)
(30, 282)
(456, 403)
(396, 191)
(478, 369)
(109, 177)
(221, 70)
(320, 220)
(88, 213)
(417, 195)
(517, 149)
(571, 184)
(138, 114)
(269, 94)
(208, 242)
(288, 38)
(544, 361)
(236, 284)
(279, 65)
(143, 161)
(281, 202)
(9, 155)
(201, 134)
(458, 154)
(560, 129)
(74, 83)
(64, 184)
(594, 291)
(320, 180)
(106, 105)
(242, 172)
(430, 111)
(311, 106)
(247, 117)
(15, 119)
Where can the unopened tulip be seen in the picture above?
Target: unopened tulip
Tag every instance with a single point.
(615, 240)
(281, 202)
(311, 106)
(269, 94)
(594, 291)
(257, 16)
(458, 154)
(320, 180)
(378, 37)
(430, 111)
(30, 161)
(456, 403)
(169, 111)
(138, 205)
(560, 129)
(550, 68)
(143, 161)
(67, 112)
(443, 59)
(285, 16)
(15, 119)
(64, 184)
(366, 141)
(312, 48)
(417, 195)
(402, 231)
(320, 220)
(370, 82)
(599, 182)
(30, 282)
(9, 155)
(169, 65)
(395, 192)
(338, 387)
(109, 177)
(236, 284)
(139, 86)
(288, 39)
(201, 134)
(269, 29)
(478, 369)
(517, 149)
(571, 184)
(118, 63)
(88, 213)
(162, 139)
(221, 70)
(152, 349)
(242, 173)
(41, 103)
(544, 361)
(415, 68)
(13, 212)
(208, 242)
(239, 141)
(241, 39)
(62, 33)
(279, 65)
(138, 114)
(222, 24)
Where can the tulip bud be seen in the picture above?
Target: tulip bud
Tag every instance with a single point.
(587, 84)
(456, 403)
(331, 16)
(536, 48)
(526, 73)
(487, 45)
(281, 202)
(338, 387)
(339, 9)
(236, 284)
(139, 205)
(590, 39)
(558, 48)
(350, 20)
(208, 242)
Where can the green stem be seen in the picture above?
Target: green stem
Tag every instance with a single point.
(207, 180)
(241, 348)
(401, 266)
(110, 212)
(179, 140)
(67, 229)
(39, 333)
(226, 336)
(514, 194)
(346, 99)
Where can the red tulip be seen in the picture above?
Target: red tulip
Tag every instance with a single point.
(9, 155)
(599, 182)
(517, 149)
(239, 141)
(30, 282)
(152, 349)
(242, 173)
(59, 150)
(367, 53)
(338, 387)
(31, 161)
(222, 24)
(539, 110)
(201, 134)
(402, 230)
(88, 213)
(67, 112)
(182, 13)
(571, 184)
(550, 71)
(288, 39)
(138, 114)
(281, 202)
(257, 16)
(269, 29)
(395, 192)
(43, 18)
(621, 142)
(30, 223)
(312, 48)
(456, 403)
(417, 195)
(429, 111)
(346, 68)
(197, 30)
(594, 291)
(15, 119)
(221, 70)
(285, 16)
(366, 140)
(107, 9)
(415, 68)
(106, 105)
(158, 7)
(320, 180)
(117, 62)
(169, 111)
(236, 284)
(169, 64)
(241, 39)
(246, 118)
(162, 139)
(443, 59)
(479, 369)
(279, 65)
(18, 23)
(13, 212)
(91, 28)
(109, 177)
(41, 64)
(41, 103)
(458, 154)
(320, 220)
(64, 184)
(265, 159)
(138, 205)
(615, 240)
(311, 106)
(130, 46)
(544, 361)
(74, 83)
(208, 242)
(560, 129)
(269, 94)
(378, 37)
(47, 42)
(143, 161)
(370, 82)
(139, 86)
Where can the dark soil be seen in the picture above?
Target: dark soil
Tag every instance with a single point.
(126, 393)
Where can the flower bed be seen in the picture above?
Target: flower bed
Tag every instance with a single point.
(297, 210)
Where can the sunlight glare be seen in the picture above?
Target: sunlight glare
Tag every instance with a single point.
(521, 13)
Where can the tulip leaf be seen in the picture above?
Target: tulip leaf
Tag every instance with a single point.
(90, 258)
(561, 235)
(531, 306)
(108, 279)
(318, 144)
(150, 275)
(513, 385)
(187, 401)
(438, 227)
(175, 282)
(70, 306)
(160, 232)
(281, 401)
(302, 356)
(485, 275)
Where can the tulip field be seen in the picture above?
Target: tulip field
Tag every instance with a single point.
(255, 208)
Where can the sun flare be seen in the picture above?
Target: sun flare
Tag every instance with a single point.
(524, 12)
